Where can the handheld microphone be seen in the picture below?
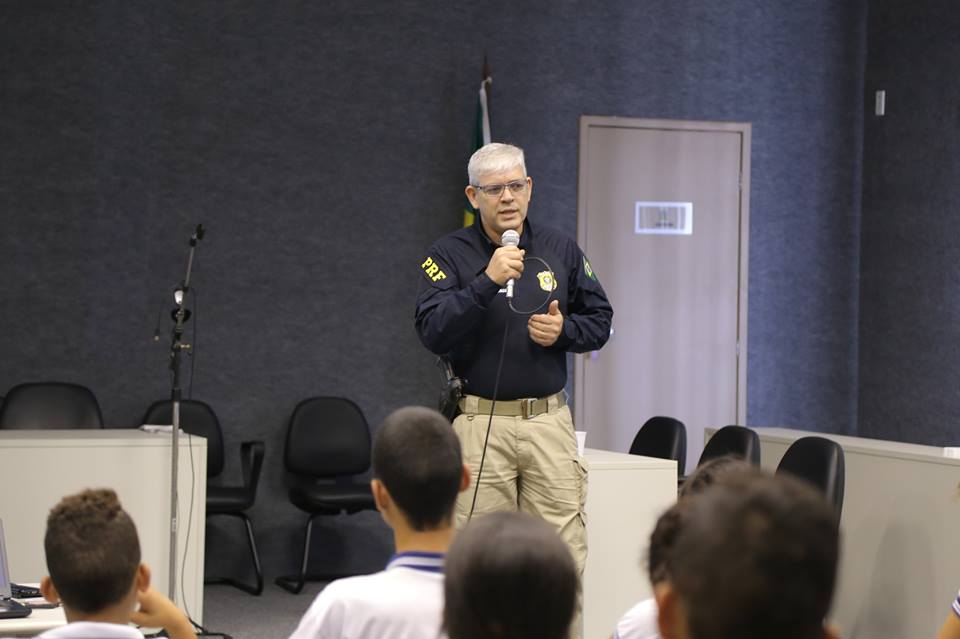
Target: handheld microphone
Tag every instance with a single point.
(510, 238)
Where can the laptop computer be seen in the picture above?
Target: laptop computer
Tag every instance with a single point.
(9, 608)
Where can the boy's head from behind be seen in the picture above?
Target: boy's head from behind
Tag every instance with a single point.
(668, 525)
(93, 553)
(755, 557)
(509, 575)
(417, 458)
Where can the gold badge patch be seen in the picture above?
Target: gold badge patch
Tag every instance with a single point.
(547, 282)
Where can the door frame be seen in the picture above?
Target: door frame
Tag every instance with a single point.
(588, 122)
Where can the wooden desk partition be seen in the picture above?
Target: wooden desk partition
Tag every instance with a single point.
(38, 467)
(899, 565)
(625, 496)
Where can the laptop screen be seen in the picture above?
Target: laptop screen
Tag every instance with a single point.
(4, 574)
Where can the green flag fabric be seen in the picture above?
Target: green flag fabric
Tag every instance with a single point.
(481, 131)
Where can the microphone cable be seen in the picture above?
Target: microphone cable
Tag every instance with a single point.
(493, 405)
(193, 342)
(546, 301)
(496, 379)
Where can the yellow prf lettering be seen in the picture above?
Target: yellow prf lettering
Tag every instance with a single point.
(432, 269)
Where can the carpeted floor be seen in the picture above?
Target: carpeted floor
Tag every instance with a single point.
(272, 615)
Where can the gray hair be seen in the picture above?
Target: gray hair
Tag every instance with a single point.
(495, 158)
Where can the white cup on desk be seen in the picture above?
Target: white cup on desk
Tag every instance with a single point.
(581, 441)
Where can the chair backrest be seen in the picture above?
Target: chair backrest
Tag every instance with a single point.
(663, 437)
(50, 405)
(819, 461)
(327, 437)
(733, 440)
(196, 418)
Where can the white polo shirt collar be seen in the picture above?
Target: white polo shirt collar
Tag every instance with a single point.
(418, 560)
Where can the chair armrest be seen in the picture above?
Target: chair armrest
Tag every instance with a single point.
(251, 459)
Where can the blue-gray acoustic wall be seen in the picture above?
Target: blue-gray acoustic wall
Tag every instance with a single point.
(324, 146)
(910, 279)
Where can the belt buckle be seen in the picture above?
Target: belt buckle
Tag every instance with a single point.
(526, 408)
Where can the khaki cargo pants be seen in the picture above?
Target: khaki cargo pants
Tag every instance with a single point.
(531, 465)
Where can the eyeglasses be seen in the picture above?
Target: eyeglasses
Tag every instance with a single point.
(496, 190)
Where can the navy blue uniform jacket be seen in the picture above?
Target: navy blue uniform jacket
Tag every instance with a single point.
(461, 312)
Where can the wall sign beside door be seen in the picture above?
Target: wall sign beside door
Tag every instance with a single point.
(663, 218)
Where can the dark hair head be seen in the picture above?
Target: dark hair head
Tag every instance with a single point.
(92, 550)
(661, 541)
(707, 473)
(417, 456)
(668, 525)
(509, 576)
(756, 557)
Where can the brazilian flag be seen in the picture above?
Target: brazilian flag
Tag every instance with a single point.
(481, 131)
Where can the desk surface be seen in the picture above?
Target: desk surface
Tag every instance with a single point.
(93, 437)
(612, 460)
(40, 620)
(876, 447)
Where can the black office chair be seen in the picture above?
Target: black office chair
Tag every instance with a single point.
(662, 437)
(819, 461)
(327, 438)
(733, 440)
(197, 418)
(50, 405)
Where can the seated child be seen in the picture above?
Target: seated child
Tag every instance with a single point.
(93, 555)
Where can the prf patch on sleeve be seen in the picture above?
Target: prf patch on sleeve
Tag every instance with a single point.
(433, 270)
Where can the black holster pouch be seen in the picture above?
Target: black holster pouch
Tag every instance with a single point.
(451, 389)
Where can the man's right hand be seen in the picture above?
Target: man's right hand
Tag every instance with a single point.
(506, 264)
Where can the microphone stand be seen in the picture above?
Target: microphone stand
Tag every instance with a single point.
(180, 316)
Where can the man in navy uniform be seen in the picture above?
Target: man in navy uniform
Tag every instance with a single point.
(531, 462)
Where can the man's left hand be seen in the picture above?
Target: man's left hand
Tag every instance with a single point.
(544, 329)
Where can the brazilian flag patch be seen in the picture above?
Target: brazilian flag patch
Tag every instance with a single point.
(588, 270)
